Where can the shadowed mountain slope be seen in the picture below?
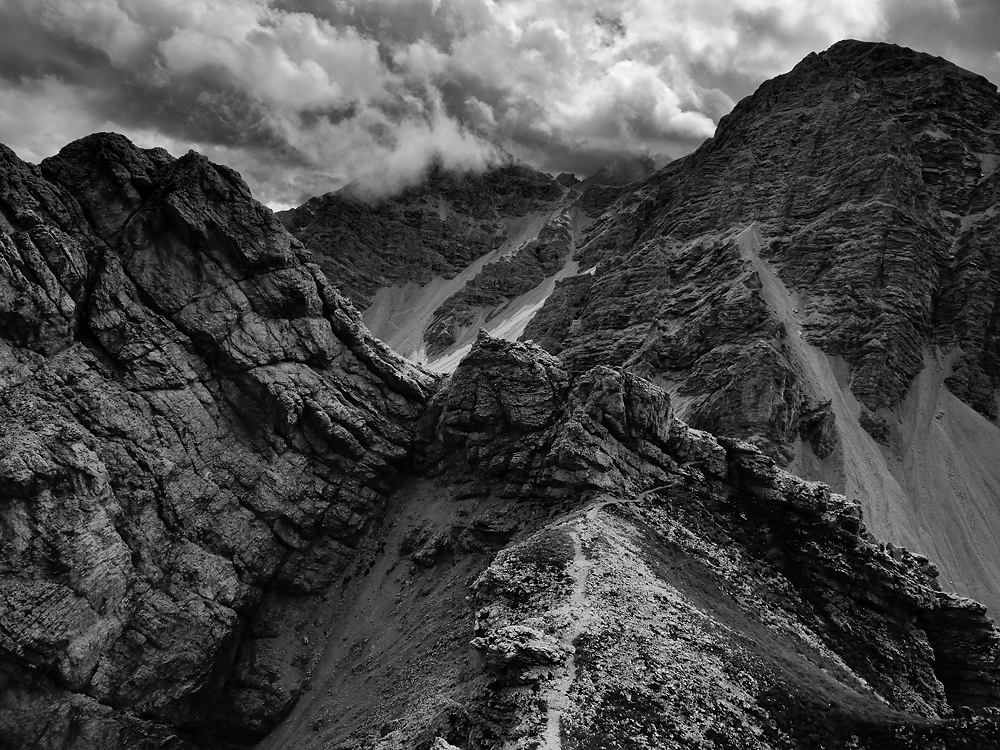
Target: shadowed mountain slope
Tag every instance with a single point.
(457, 253)
(194, 429)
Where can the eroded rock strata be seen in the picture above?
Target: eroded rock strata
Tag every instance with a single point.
(819, 279)
(624, 580)
(433, 264)
(863, 182)
(438, 227)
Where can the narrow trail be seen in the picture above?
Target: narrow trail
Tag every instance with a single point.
(579, 614)
(580, 617)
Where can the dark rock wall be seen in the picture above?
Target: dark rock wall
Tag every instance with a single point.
(831, 638)
(195, 429)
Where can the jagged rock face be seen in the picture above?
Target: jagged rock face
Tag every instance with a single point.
(660, 588)
(857, 168)
(459, 252)
(834, 243)
(538, 258)
(229, 516)
(195, 430)
(604, 187)
(436, 228)
(868, 173)
(428, 266)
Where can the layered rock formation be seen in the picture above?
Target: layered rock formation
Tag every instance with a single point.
(634, 583)
(818, 279)
(434, 229)
(866, 178)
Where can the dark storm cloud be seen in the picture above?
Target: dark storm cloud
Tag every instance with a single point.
(392, 22)
(204, 106)
(305, 95)
(612, 27)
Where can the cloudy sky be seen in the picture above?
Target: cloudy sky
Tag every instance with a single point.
(304, 95)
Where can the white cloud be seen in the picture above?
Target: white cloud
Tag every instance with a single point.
(36, 114)
(306, 95)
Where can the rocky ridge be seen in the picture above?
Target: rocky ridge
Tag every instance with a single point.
(868, 174)
(195, 430)
(818, 279)
(436, 228)
(635, 583)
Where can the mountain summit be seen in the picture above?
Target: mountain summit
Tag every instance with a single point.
(231, 516)
(821, 280)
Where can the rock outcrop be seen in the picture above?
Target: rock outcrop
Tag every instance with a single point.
(868, 176)
(833, 244)
(436, 228)
(196, 429)
(652, 586)
(459, 252)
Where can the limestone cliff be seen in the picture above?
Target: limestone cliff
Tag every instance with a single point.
(575, 567)
(459, 252)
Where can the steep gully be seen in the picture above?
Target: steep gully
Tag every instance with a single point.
(400, 315)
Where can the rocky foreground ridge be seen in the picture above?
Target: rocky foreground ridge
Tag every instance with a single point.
(230, 516)
(195, 429)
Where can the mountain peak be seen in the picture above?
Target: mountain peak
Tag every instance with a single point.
(887, 77)
(884, 58)
(886, 65)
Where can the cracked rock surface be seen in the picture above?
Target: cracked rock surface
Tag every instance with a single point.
(194, 430)
(821, 280)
